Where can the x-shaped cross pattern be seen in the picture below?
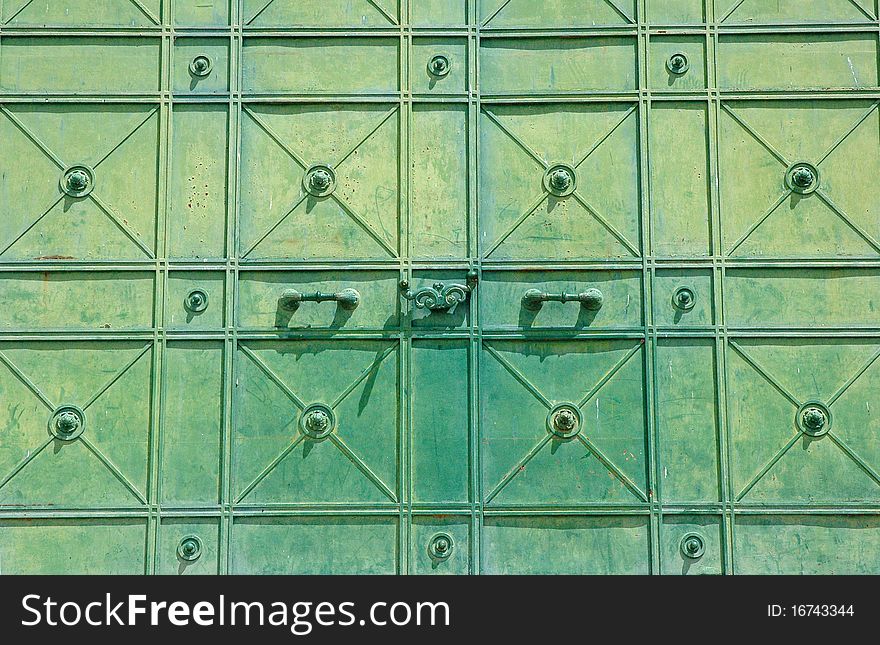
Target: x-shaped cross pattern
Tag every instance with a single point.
(575, 6)
(70, 422)
(319, 182)
(317, 422)
(802, 177)
(812, 420)
(269, 4)
(565, 422)
(802, 8)
(77, 182)
(136, 5)
(560, 182)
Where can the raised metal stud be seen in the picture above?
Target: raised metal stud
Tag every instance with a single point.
(439, 66)
(684, 299)
(440, 547)
(802, 177)
(317, 421)
(560, 180)
(196, 301)
(67, 423)
(190, 548)
(78, 181)
(693, 546)
(319, 180)
(201, 66)
(564, 420)
(678, 64)
(813, 418)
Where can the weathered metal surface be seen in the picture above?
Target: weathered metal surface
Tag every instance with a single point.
(284, 286)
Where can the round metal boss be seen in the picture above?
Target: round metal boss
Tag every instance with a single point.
(678, 63)
(190, 548)
(814, 418)
(564, 420)
(319, 180)
(440, 546)
(560, 180)
(196, 301)
(693, 546)
(439, 66)
(684, 299)
(78, 181)
(67, 423)
(201, 66)
(317, 421)
(802, 178)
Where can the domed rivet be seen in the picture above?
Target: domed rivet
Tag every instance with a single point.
(678, 64)
(78, 181)
(190, 548)
(439, 66)
(684, 299)
(319, 180)
(693, 546)
(564, 420)
(560, 180)
(317, 421)
(201, 66)
(196, 301)
(813, 418)
(440, 547)
(67, 423)
(802, 178)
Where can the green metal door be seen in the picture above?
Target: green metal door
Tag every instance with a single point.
(439, 286)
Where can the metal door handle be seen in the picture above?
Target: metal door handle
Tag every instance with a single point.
(591, 299)
(440, 297)
(291, 298)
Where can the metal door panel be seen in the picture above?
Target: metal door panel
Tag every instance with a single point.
(72, 13)
(78, 300)
(526, 460)
(54, 65)
(260, 293)
(441, 458)
(680, 190)
(773, 297)
(553, 13)
(280, 218)
(425, 531)
(454, 80)
(81, 546)
(807, 544)
(201, 13)
(588, 545)
(797, 61)
(792, 11)
(669, 12)
(181, 311)
(664, 78)
(621, 299)
(215, 80)
(689, 451)
(671, 285)
(763, 215)
(174, 531)
(275, 457)
(198, 182)
(432, 13)
(116, 217)
(319, 13)
(438, 224)
(347, 544)
(192, 434)
(676, 530)
(282, 65)
(520, 146)
(772, 385)
(552, 66)
(106, 450)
